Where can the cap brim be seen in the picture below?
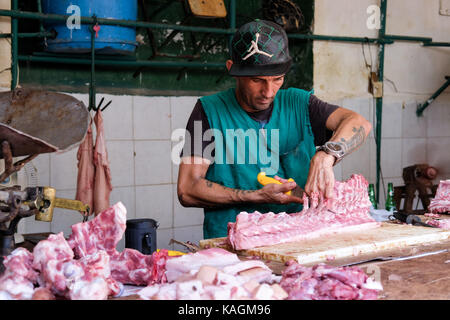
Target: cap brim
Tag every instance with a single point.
(251, 70)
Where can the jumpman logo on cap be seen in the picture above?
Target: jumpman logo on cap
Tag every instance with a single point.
(254, 49)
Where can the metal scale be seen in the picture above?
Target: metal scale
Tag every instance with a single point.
(34, 122)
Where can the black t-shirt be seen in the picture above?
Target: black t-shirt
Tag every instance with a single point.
(319, 111)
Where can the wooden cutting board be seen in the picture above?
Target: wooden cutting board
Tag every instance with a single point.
(388, 236)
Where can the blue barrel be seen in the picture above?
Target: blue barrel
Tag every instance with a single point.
(76, 38)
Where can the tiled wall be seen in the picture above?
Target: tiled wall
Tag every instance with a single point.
(138, 134)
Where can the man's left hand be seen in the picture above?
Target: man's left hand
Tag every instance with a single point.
(321, 175)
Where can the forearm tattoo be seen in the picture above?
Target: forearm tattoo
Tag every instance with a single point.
(355, 141)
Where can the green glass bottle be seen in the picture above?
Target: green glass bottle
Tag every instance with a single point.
(372, 195)
(390, 205)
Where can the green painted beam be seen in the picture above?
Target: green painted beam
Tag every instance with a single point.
(421, 108)
(124, 63)
(14, 46)
(436, 44)
(113, 22)
(379, 101)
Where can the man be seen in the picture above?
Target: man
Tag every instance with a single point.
(284, 126)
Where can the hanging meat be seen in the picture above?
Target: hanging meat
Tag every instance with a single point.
(102, 180)
(86, 170)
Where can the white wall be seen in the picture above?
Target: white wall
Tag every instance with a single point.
(138, 133)
(412, 74)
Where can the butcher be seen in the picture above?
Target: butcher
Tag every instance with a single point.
(233, 135)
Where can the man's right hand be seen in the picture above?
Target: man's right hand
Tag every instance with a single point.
(276, 193)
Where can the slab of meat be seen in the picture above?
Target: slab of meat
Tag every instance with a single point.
(215, 274)
(87, 278)
(104, 233)
(101, 233)
(347, 211)
(215, 257)
(132, 267)
(440, 223)
(323, 282)
(86, 170)
(19, 277)
(441, 202)
(102, 180)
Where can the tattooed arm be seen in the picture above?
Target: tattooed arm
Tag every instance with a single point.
(194, 190)
(350, 130)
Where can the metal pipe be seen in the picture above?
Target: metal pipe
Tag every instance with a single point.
(379, 101)
(232, 14)
(436, 44)
(29, 35)
(407, 38)
(113, 22)
(124, 63)
(338, 38)
(422, 107)
(39, 8)
(92, 84)
(14, 46)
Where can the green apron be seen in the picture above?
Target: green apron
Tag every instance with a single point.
(283, 147)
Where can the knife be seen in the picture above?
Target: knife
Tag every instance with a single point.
(411, 219)
(265, 180)
(395, 258)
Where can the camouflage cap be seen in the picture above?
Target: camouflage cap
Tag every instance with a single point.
(260, 48)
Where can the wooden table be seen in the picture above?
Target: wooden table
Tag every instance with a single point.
(424, 278)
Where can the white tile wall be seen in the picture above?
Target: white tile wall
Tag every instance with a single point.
(42, 165)
(121, 162)
(64, 170)
(414, 151)
(155, 202)
(153, 163)
(152, 116)
(438, 153)
(412, 125)
(391, 120)
(185, 216)
(438, 117)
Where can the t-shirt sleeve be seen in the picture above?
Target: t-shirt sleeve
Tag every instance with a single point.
(319, 111)
(198, 123)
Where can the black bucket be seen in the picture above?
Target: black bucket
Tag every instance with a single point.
(140, 234)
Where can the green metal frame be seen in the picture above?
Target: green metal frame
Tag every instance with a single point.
(15, 14)
(421, 108)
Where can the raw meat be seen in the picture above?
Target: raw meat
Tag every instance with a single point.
(84, 279)
(132, 267)
(102, 180)
(86, 170)
(347, 211)
(323, 282)
(101, 233)
(440, 223)
(441, 202)
(215, 257)
(17, 281)
(98, 272)
(215, 274)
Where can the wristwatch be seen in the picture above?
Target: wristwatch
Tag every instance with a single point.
(336, 149)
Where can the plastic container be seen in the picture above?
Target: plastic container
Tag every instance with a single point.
(110, 40)
(140, 234)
